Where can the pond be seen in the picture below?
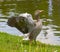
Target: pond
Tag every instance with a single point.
(50, 33)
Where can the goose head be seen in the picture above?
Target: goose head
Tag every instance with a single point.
(37, 13)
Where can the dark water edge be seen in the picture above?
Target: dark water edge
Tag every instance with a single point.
(30, 6)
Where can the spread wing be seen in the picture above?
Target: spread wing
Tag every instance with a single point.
(24, 22)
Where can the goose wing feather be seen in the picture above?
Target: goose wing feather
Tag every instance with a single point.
(24, 22)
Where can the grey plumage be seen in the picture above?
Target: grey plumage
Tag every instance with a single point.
(25, 23)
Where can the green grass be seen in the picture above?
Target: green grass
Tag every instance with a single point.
(11, 43)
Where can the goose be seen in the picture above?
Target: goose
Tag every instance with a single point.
(26, 24)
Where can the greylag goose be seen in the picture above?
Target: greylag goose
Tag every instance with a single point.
(25, 23)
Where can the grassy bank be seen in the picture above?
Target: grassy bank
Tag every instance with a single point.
(11, 43)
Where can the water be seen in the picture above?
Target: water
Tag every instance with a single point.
(50, 28)
(11, 30)
(47, 35)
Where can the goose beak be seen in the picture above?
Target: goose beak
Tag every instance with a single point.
(41, 11)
